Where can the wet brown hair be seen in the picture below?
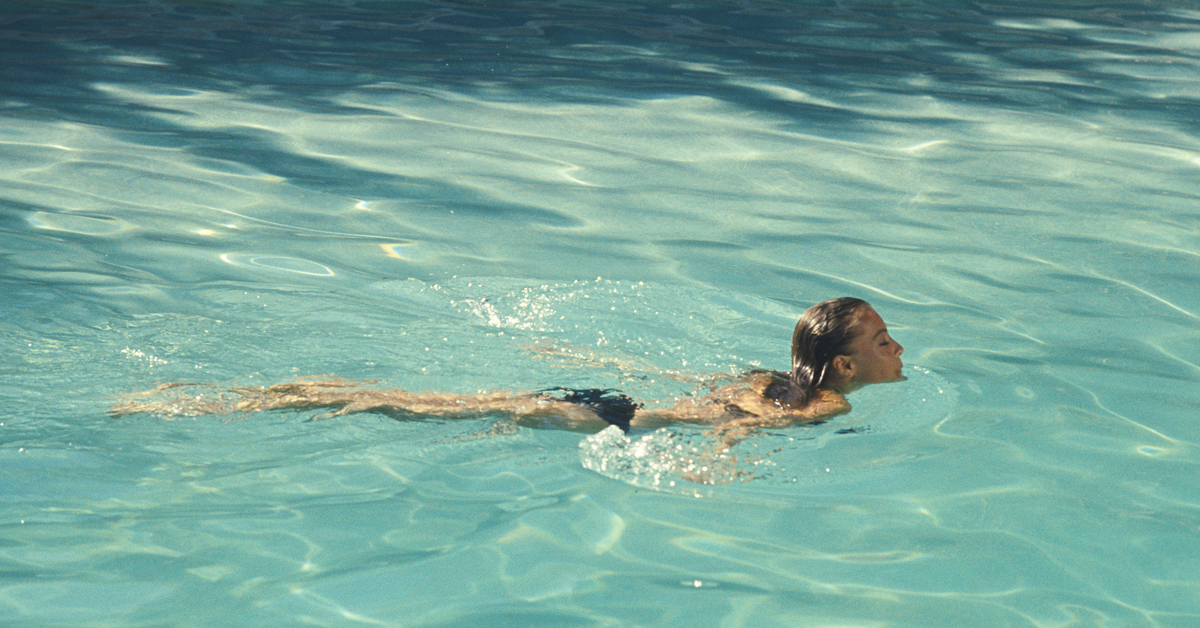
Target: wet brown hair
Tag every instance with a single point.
(824, 332)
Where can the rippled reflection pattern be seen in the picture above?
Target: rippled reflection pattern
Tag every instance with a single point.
(477, 196)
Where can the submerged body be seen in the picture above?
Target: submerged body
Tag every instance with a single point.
(838, 346)
(747, 401)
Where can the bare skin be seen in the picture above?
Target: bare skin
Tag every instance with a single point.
(745, 403)
(874, 357)
(741, 403)
(735, 410)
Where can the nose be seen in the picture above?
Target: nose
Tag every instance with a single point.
(899, 349)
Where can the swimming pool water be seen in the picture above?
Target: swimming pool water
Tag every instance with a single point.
(465, 196)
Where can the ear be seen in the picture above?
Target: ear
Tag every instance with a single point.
(843, 366)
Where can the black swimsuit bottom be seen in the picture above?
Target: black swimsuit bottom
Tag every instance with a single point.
(614, 407)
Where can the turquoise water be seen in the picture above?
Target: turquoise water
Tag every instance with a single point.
(460, 197)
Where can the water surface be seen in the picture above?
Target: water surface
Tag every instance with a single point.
(459, 197)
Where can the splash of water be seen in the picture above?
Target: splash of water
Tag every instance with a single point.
(689, 460)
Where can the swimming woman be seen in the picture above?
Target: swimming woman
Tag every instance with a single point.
(838, 346)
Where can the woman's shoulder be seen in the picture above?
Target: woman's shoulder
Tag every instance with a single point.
(825, 405)
(770, 384)
(772, 388)
(756, 398)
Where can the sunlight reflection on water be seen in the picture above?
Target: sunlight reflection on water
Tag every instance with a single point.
(471, 196)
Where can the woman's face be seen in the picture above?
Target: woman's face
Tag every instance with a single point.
(875, 357)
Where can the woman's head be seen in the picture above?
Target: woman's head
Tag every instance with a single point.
(841, 344)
